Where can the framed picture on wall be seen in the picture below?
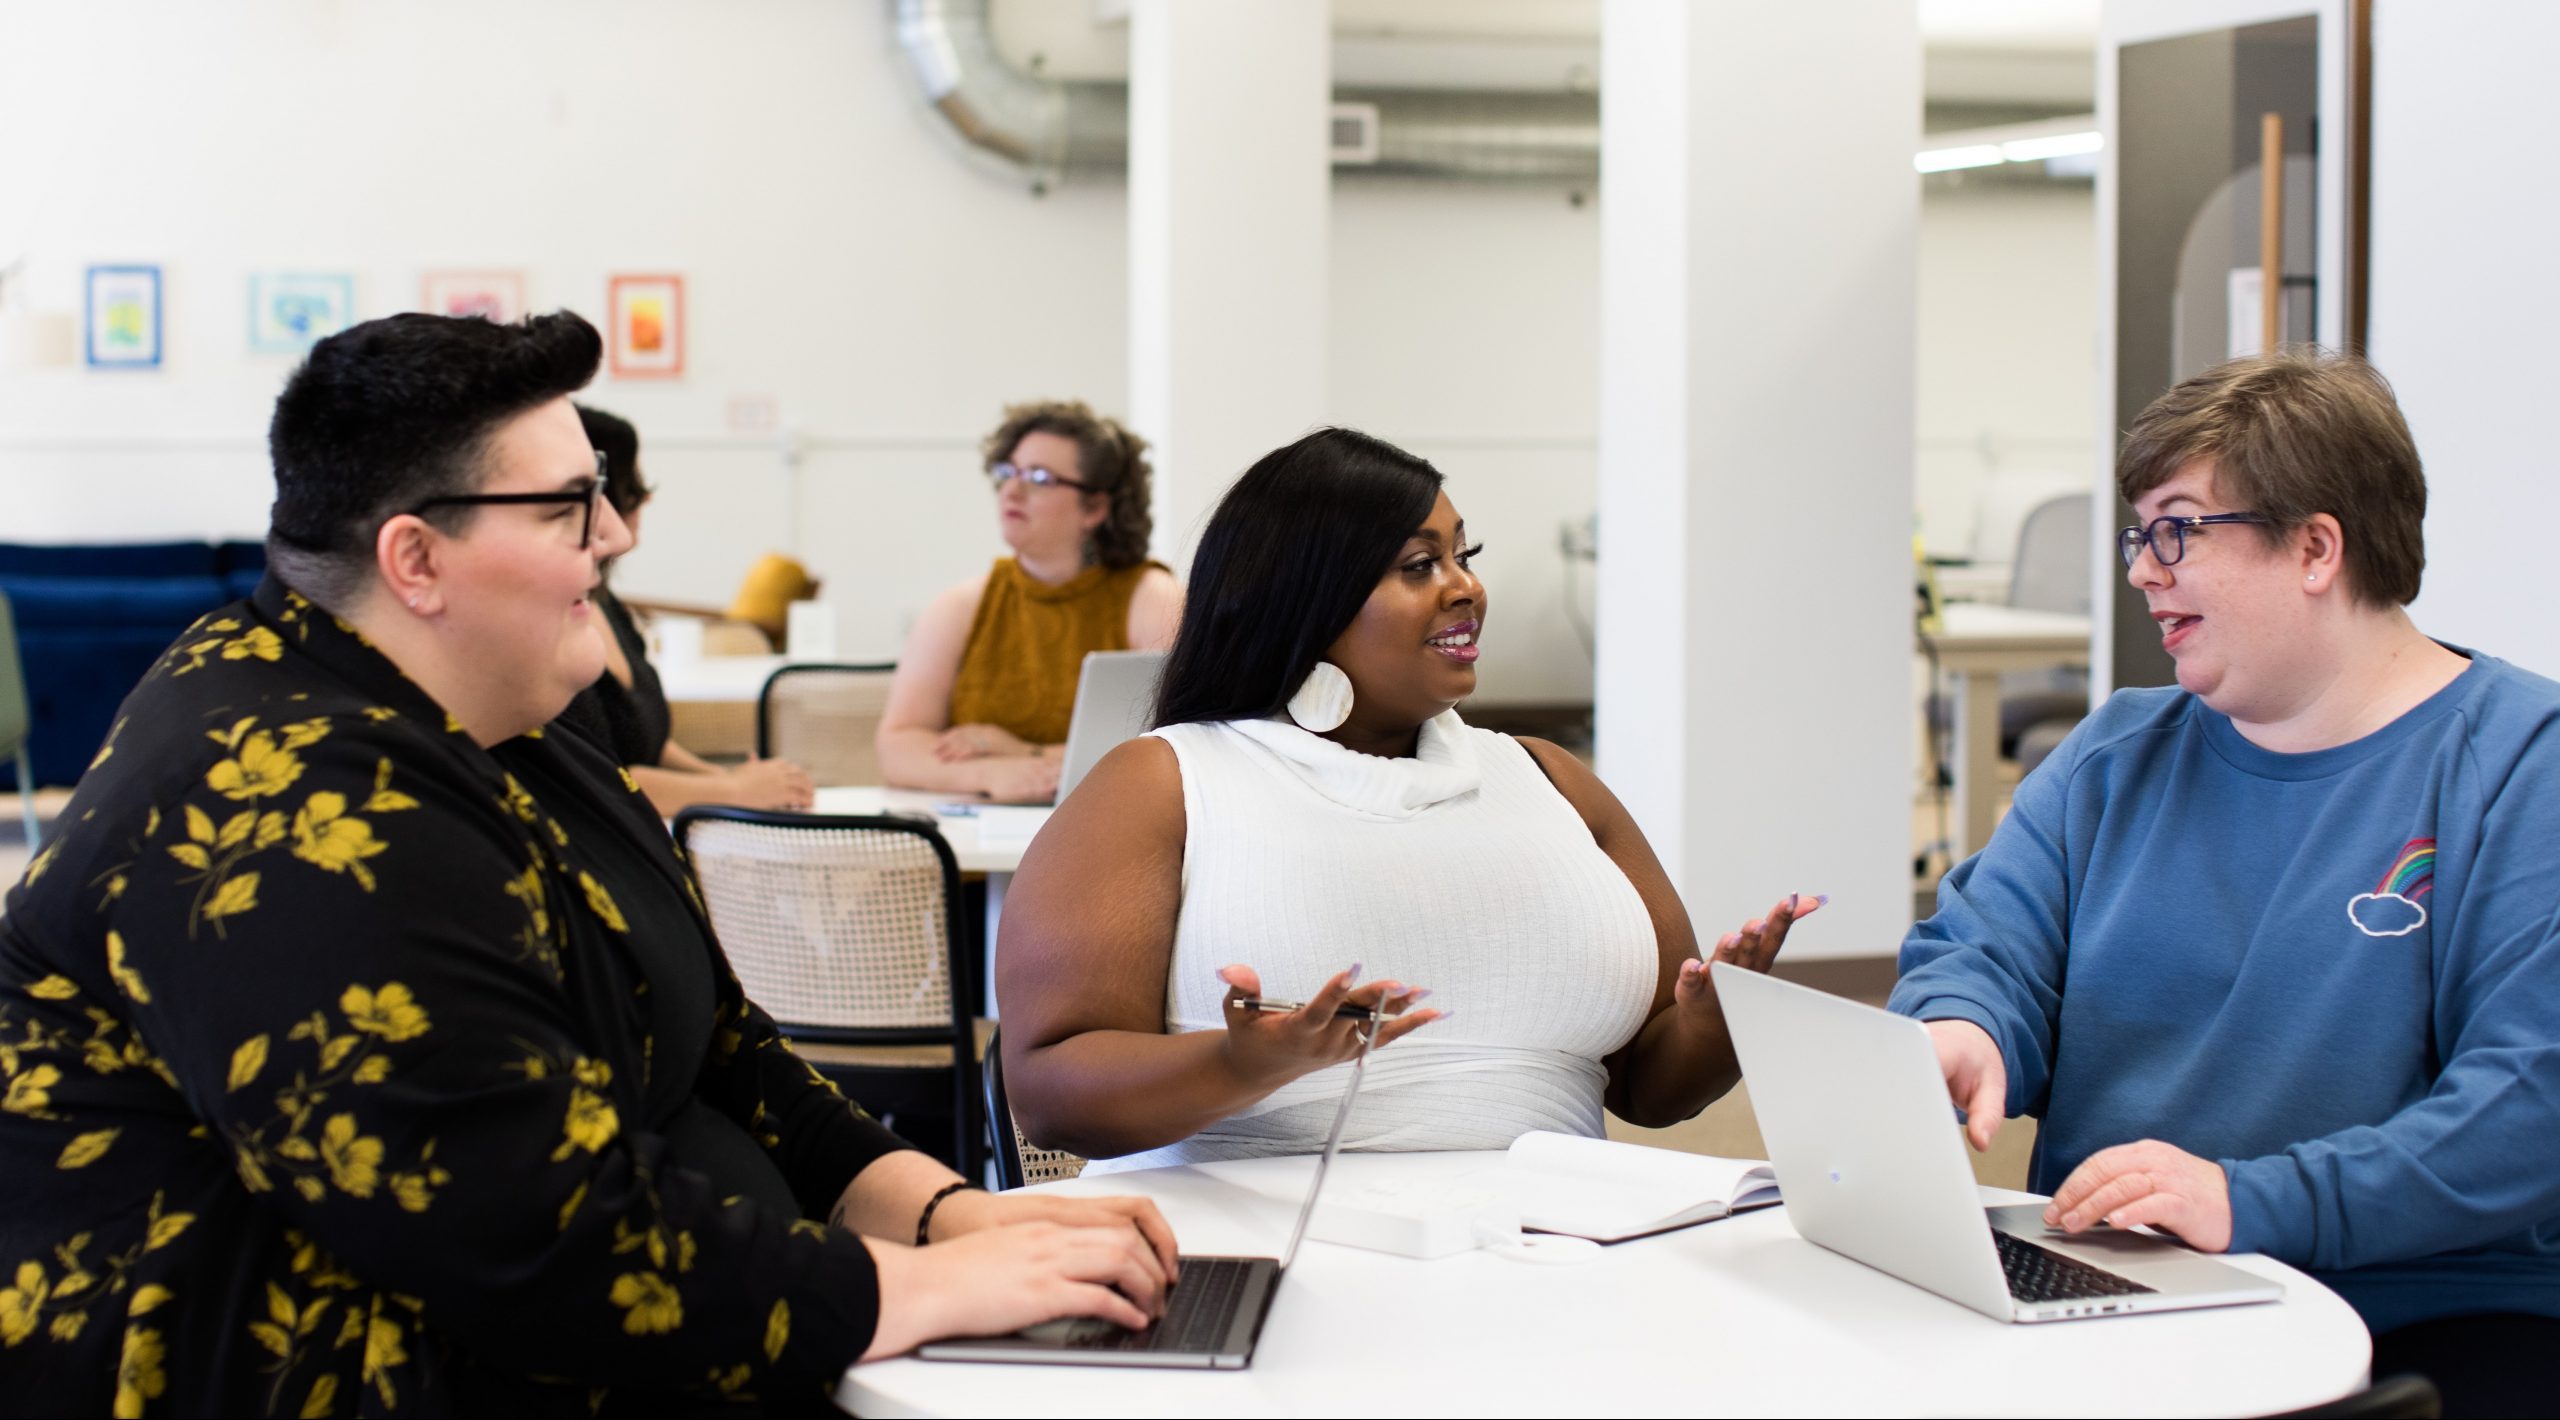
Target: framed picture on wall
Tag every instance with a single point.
(124, 317)
(290, 310)
(647, 326)
(491, 295)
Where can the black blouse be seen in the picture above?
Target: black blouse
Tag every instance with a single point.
(632, 721)
(350, 1065)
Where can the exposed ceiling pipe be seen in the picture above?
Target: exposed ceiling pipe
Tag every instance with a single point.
(1047, 126)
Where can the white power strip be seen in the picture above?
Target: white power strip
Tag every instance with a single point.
(1424, 1219)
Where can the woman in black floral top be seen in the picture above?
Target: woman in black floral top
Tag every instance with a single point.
(367, 1048)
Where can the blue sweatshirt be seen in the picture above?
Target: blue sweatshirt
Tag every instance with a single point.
(2337, 973)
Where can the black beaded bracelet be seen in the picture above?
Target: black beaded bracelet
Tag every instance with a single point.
(925, 1219)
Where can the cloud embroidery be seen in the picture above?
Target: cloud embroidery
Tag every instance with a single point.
(2393, 908)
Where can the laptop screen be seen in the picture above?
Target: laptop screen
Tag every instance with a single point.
(1332, 1142)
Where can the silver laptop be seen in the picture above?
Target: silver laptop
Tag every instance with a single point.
(1213, 1316)
(1114, 692)
(1856, 1118)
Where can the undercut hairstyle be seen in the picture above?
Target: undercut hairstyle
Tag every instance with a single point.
(1109, 457)
(612, 436)
(1290, 556)
(2292, 434)
(388, 414)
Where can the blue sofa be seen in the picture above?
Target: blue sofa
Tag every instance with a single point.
(91, 620)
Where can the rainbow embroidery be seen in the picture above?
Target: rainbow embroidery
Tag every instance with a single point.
(2393, 908)
(2414, 876)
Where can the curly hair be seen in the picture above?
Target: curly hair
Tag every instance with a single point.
(1110, 458)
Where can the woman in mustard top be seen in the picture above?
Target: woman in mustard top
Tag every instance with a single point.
(988, 680)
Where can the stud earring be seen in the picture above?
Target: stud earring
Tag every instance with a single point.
(1323, 699)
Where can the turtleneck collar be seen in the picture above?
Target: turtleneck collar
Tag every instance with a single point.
(1443, 766)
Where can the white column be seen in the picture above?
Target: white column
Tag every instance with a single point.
(1229, 185)
(1755, 590)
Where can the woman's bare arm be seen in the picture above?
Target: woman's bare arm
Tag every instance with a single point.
(1081, 958)
(1681, 1060)
(1155, 611)
(919, 708)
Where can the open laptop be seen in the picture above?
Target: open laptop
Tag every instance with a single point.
(1855, 1114)
(1114, 692)
(1212, 1317)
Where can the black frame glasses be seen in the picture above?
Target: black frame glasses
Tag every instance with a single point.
(2130, 541)
(1000, 474)
(590, 494)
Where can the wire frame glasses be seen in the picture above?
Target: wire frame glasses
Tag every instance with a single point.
(1036, 476)
(2167, 537)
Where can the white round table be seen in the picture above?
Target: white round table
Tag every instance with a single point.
(1738, 1317)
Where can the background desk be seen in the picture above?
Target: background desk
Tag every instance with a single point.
(1739, 1317)
(995, 854)
(1977, 643)
(712, 701)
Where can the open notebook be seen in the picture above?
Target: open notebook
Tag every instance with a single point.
(1608, 1192)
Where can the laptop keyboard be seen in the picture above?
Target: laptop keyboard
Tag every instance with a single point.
(2038, 1274)
(1201, 1311)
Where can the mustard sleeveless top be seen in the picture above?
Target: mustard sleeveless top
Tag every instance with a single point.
(1028, 644)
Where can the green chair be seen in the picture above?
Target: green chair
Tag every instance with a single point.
(15, 721)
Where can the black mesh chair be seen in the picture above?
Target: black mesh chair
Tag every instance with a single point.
(1018, 1161)
(843, 930)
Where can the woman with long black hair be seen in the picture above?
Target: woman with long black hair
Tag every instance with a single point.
(1309, 801)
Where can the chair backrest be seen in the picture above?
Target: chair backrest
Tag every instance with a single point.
(1018, 1161)
(15, 719)
(839, 927)
(824, 719)
(2051, 570)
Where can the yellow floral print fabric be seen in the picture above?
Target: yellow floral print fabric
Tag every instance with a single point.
(320, 1076)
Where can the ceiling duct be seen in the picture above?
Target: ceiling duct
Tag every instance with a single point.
(1045, 126)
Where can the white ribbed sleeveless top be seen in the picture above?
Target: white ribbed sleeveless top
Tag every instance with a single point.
(1461, 869)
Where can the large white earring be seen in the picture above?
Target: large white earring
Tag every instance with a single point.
(1323, 700)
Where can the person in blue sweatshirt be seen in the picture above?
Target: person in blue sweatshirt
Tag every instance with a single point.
(2274, 953)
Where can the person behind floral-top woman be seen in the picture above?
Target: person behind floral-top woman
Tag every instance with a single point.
(987, 682)
(366, 1048)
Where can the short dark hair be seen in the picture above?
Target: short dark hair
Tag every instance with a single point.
(1110, 457)
(612, 436)
(382, 416)
(1291, 555)
(2291, 434)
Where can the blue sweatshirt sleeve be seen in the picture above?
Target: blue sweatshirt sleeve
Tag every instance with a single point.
(1993, 952)
(2477, 1159)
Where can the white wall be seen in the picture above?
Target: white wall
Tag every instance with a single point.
(2463, 299)
(842, 261)
(2008, 345)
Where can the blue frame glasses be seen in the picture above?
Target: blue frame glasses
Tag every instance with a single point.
(2167, 537)
(590, 493)
(1038, 477)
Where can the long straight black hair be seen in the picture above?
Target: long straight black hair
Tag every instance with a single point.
(1288, 559)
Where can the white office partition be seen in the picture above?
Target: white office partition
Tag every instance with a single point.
(2465, 298)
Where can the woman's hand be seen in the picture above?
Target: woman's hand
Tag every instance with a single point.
(1267, 1051)
(1026, 779)
(1003, 1279)
(980, 742)
(771, 784)
(1754, 948)
(974, 1212)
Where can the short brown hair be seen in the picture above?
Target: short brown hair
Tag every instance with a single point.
(1112, 460)
(2291, 434)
